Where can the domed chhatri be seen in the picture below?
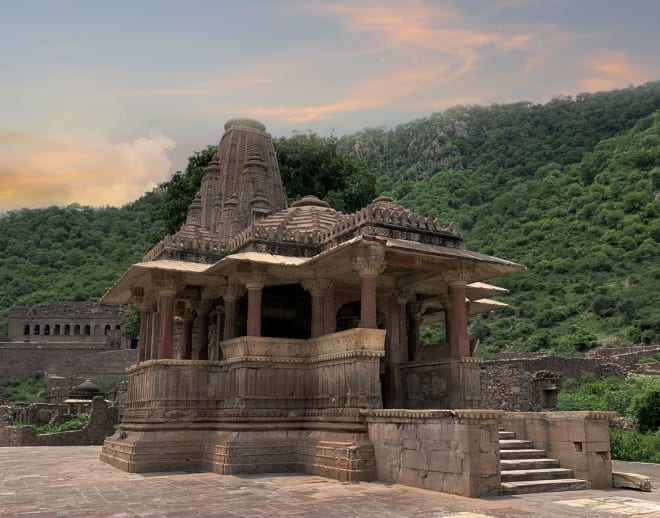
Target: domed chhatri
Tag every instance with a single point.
(271, 338)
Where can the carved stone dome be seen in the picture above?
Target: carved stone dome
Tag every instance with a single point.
(304, 223)
(86, 390)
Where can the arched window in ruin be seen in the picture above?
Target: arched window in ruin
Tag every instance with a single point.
(76, 330)
(57, 330)
(117, 327)
(26, 329)
(107, 329)
(47, 329)
(67, 329)
(97, 329)
(37, 329)
(88, 330)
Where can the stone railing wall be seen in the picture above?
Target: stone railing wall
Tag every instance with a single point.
(331, 375)
(451, 383)
(453, 451)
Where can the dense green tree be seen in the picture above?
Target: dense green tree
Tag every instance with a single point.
(310, 164)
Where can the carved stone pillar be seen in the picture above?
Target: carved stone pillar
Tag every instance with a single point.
(202, 349)
(165, 336)
(155, 333)
(144, 340)
(254, 309)
(414, 316)
(459, 338)
(317, 288)
(329, 310)
(231, 295)
(186, 334)
(369, 265)
(253, 278)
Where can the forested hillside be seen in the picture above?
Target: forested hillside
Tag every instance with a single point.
(72, 253)
(569, 189)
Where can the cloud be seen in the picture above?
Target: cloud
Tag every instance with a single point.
(38, 170)
(608, 69)
(420, 47)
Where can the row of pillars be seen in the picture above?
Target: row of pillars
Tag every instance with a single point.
(323, 317)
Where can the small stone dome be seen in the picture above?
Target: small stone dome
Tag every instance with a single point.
(86, 390)
(304, 222)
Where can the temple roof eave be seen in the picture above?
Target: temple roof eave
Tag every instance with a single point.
(140, 275)
(333, 262)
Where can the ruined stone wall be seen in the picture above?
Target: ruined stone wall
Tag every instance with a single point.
(624, 356)
(525, 384)
(19, 361)
(64, 322)
(101, 424)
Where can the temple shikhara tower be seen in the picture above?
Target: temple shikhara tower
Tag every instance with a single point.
(287, 339)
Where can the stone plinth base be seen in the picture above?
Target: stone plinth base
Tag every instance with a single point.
(579, 440)
(344, 456)
(453, 451)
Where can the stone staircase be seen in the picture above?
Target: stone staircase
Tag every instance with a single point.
(527, 470)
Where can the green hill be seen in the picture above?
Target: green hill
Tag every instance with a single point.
(569, 188)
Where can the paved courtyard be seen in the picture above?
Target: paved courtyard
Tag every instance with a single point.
(70, 481)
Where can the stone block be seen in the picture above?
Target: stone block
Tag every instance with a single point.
(445, 461)
(411, 477)
(414, 459)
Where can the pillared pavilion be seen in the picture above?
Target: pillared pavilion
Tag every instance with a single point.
(268, 334)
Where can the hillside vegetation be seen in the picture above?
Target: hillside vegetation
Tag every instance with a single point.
(569, 189)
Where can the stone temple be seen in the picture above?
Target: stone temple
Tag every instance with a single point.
(279, 339)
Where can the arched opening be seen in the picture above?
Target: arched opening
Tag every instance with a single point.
(117, 327)
(76, 330)
(107, 329)
(67, 329)
(97, 329)
(47, 330)
(88, 330)
(37, 329)
(57, 330)
(26, 329)
(286, 312)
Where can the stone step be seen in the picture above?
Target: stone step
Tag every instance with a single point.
(518, 464)
(515, 444)
(523, 453)
(543, 486)
(506, 435)
(519, 475)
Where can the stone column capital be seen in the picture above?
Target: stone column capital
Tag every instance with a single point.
(317, 287)
(458, 277)
(370, 260)
(252, 277)
(233, 291)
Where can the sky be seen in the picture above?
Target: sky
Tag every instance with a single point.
(102, 101)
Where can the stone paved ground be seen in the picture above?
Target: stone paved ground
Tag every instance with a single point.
(70, 481)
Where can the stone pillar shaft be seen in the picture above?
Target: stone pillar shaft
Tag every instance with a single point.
(230, 318)
(368, 301)
(202, 335)
(460, 342)
(254, 311)
(144, 340)
(330, 316)
(186, 339)
(165, 337)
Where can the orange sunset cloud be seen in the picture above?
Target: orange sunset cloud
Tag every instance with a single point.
(38, 170)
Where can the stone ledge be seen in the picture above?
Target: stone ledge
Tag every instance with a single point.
(172, 362)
